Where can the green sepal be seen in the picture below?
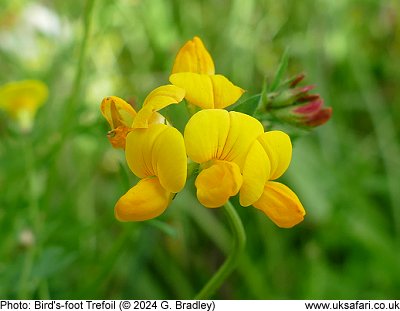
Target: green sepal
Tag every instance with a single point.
(280, 72)
(248, 106)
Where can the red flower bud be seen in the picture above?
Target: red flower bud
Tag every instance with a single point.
(293, 104)
(321, 117)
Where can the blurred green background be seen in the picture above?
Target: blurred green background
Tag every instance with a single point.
(59, 183)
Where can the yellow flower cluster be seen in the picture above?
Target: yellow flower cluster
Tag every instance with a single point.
(236, 156)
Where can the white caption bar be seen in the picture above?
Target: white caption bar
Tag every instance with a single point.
(205, 305)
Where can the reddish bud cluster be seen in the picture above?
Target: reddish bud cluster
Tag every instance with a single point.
(294, 104)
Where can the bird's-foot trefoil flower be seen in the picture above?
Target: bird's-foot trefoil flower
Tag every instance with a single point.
(121, 116)
(155, 152)
(232, 160)
(194, 71)
(237, 157)
(156, 155)
(21, 100)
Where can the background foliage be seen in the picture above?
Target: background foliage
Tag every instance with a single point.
(59, 183)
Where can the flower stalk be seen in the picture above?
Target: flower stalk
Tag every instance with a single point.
(239, 242)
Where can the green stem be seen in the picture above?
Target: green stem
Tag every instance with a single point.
(77, 83)
(24, 291)
(239, 242)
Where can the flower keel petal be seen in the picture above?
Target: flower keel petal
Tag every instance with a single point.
(146, 200)
(217, 183)
(281, 205)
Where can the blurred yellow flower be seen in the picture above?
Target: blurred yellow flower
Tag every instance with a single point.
(194, 71)
(21, 100)
(123, 118)
(155, 152)
(237, 157)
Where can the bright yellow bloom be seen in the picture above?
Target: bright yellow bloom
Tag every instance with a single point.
(157, 155)
(278, 201)
(237, 157)
(194, 71)
(232, 160)
(22, 99)
(123, 118)
(155, 152)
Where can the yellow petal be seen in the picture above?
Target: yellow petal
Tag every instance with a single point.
(281, 205)
(157, 118)
(278, 147)
(255, 174)
(27, 95)
(158, 151)
(207, 91)
(146, 200)
(169, 159)
(243, 131)
(217, 183)
(194, 57)
(158, 99)
(117, 112)
(198, 88)
(225, 92)
(206, 133)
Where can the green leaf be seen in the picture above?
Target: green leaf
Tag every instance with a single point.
(248, 106)
(280, 72)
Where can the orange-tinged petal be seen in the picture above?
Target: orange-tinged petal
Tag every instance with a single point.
(194, 57)
(278, 147)
(217, 183)
(117, 112)
(198, 88)
(255, 174)
(158, 151)
(146, 200)
(243, 131)
(117, 136)
(225, 92)
(26, 95)
(281, 205)
(158, 99)
(206, 133)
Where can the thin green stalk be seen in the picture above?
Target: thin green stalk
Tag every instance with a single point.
(239, 242)
(24, 291)
(77, 84)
